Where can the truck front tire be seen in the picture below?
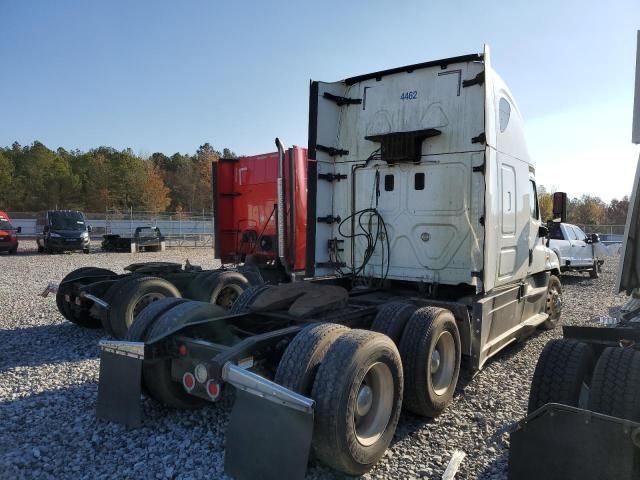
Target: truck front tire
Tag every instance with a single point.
(431, 354)
(357, 410)
(553, 304)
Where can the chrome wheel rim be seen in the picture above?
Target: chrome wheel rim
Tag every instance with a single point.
(442, 363)
(374, 404)
(228, 295)
(554, 302)
(145, 301)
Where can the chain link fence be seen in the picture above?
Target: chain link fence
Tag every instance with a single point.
(180, 229)
(608, 233)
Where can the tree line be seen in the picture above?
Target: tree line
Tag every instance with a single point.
(587, 209)
(35, 178)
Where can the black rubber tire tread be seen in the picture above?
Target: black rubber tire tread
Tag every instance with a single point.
(84, 319)
(392, 318)
(187, 312)
(549, 323)
(244, 301)
(414, 348)
(138, 330)
(197, 289)
(563, 366)
(156, 375)
(335, 392)
(225, 279)
(299, 364)
(122, 298)
(615, 386)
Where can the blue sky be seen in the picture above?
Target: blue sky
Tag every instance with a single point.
(168, 76)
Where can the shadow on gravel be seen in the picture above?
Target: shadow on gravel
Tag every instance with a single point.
(44, 344)
(497, 469)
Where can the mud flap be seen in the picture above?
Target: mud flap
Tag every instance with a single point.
(119, 387)
(269, 434)
(558, 442)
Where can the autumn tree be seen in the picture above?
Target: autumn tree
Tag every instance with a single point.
(586, 210)
(616, 212)
(545, 203)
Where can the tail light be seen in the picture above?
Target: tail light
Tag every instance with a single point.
(188, 381)
(213, 390)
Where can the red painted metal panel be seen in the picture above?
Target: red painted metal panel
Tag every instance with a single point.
(246, 197)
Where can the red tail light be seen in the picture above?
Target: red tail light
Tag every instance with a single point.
(213, 390)
(188, 381)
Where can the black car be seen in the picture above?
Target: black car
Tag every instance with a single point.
(64, 230)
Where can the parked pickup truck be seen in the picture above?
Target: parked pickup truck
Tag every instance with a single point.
(575, 249)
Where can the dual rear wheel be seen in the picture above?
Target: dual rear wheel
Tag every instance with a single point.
(411, 356)
(565, 373)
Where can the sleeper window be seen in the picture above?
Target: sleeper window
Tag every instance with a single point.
(388, 183)
(418, 181)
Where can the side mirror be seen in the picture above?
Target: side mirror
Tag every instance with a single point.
(46, 228)
(543, 231)
(19, 230)
(89, 228)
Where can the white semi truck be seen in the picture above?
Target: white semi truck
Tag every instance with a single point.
(424, 247)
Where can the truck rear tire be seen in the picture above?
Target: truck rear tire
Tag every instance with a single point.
(553, 307)
(127, 298)
(138, 330)
(562, 371)
(218, 287)
(431, 355)
(299, 364)
(82, 318)
(156, 374)
(615, 386)
(246, 299)
(392, 318)
(357, 410)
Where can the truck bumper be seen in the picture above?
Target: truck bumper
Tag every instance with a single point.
(269, 434)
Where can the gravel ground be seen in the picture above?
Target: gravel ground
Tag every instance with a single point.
(49, 375)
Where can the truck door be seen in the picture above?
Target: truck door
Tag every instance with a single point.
(535, 242)
(584, 250)
(574, 252)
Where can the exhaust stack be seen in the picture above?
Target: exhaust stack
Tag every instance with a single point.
(282, 238)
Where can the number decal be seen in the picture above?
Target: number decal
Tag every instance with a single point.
(409, 95)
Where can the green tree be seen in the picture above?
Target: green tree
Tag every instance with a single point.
(6, 181)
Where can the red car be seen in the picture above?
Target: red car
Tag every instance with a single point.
(8, 237)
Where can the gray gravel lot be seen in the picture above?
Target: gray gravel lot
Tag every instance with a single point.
(49, 375)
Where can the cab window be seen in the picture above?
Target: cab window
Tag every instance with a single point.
(570, 232)
(555, 232)
(581, 235)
